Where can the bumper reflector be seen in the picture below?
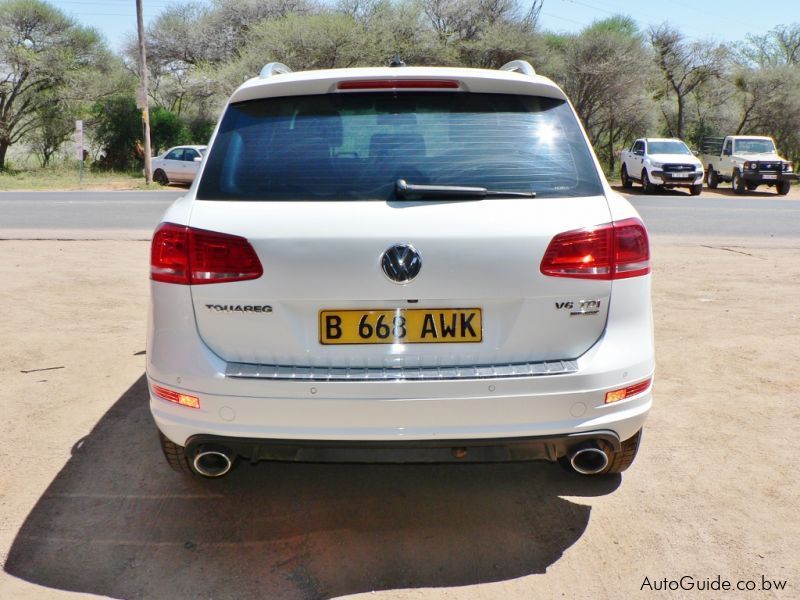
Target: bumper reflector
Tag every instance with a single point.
(631, 390)
(176, 397)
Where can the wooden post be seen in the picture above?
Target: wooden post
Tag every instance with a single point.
(142, 96)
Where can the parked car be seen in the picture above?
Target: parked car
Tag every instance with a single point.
(400, 264)
(747, 161)
(661, 162)
(178, 164)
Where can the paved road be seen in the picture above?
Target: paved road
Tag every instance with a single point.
(53, 214)
(66, 212)
(725, 217)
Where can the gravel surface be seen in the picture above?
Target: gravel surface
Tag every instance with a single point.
(88, 506)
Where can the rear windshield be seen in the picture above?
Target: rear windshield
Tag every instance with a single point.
(668, 148)
(356, 146)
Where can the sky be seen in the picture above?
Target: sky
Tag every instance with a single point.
(720, 20)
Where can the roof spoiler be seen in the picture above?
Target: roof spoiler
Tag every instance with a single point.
(273, 68)
(519, 66)
(515, 66)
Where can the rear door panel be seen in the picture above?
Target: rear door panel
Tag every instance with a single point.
(326, 256)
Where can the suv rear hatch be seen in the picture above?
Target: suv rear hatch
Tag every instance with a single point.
(311, 182)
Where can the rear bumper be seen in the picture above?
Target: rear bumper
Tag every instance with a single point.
(448, 411)
(412, 451)
(405, 420)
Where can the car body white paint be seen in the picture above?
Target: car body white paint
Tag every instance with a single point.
(179, 171)
(484, 253)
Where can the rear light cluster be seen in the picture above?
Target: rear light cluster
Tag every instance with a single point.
(627, 392)
(188, 256)
(612, 251)
(398, 84)
(176, 397)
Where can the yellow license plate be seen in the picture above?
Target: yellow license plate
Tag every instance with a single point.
(401, 326)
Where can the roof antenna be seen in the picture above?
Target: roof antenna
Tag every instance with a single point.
(397, 61)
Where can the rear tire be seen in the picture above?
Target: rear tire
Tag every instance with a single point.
(648, 187)
(160, 177)
(175, 455)
(626, 180)
(737, 183)
(697, 189)
(783, 187)
(750, 185)
(619, 461)
(713, 179)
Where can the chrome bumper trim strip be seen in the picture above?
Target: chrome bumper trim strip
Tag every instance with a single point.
(305, 373)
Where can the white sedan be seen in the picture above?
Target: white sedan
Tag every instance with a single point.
(178, 165)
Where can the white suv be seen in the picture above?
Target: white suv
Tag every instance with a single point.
(400, 264)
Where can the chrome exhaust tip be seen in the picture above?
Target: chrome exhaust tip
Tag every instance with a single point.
(588, 458)
(213, 461)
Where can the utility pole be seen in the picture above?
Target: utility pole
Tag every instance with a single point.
(142, 95)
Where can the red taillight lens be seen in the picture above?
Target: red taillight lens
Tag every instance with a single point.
(397, 84)
(611, 251)
(218, 257)
(585, 253)
(169, 254)
(627, 392)
(631, 249)
(176, 397)
(181, 254)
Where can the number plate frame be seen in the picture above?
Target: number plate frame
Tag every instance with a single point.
(422, 326)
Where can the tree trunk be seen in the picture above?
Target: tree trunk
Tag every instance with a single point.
(4, 144)
(611, 146)
(679, 124)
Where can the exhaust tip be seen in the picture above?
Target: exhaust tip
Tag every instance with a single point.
(212, 461)
(588, 459)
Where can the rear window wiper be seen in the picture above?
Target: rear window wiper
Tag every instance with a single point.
(413, 191)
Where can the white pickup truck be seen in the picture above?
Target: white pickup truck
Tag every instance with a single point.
(661, 162)
(747, 161)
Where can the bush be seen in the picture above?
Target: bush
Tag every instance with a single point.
(167, 130)
(117, 128)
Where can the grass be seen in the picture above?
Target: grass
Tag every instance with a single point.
(61, 179)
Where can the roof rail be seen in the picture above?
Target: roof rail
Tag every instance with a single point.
(519, 66)
(273, 68)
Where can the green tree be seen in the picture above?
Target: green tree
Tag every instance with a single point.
(41, 51)
(779, 47)
(685, 67)
(55, 125)
(166, 129)
(200, 130)
(604, 71)
(117, 129)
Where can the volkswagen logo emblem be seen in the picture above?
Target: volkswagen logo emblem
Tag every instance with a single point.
(401, 263)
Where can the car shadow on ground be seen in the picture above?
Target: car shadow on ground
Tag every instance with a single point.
(637, 190)
(726, 190)
(117, 522)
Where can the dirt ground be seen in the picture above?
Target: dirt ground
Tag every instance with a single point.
(87, 505)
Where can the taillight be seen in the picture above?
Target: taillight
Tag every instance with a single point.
(169, 254)
(631, 390)
(176, 397)
(397, 84)
(181, 254)
(611, 251)
(631, 249)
